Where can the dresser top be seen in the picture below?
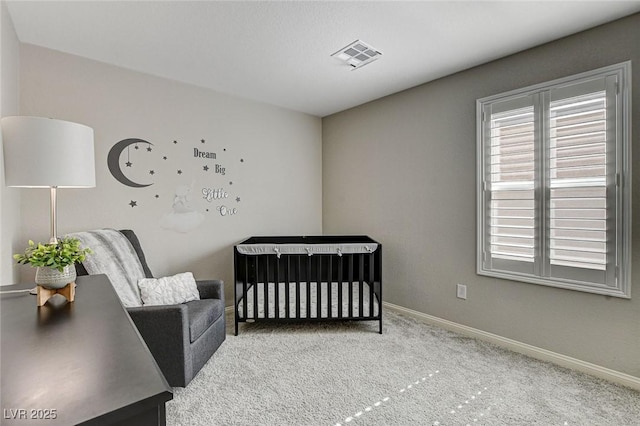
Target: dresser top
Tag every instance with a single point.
(85, 359)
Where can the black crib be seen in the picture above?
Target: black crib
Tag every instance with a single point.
(317, 278)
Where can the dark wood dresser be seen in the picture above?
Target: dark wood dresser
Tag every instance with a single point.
(76, 363)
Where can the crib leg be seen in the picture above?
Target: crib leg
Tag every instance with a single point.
(236, 326)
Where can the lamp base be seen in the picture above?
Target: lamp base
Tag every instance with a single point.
(44, 294)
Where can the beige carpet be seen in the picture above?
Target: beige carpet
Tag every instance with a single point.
(413, 374)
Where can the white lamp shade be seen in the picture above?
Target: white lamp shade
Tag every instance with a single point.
(43, 152)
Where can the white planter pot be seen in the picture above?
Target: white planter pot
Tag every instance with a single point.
(52, 278)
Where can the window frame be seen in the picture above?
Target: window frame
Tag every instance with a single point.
(622, 175)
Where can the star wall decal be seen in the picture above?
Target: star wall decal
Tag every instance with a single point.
(153, 168)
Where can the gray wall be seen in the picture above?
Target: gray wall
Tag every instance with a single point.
(403, 170)
(272, 160)
(9, 105)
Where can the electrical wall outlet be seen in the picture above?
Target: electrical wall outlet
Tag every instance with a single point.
(461, 291)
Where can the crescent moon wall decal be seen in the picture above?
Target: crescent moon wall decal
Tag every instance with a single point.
(113, 162)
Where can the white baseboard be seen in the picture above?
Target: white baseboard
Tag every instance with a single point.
(523, 348)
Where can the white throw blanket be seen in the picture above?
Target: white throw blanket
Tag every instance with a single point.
(114, 256)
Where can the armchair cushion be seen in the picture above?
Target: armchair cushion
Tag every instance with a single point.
(211, 289)
(179, 288)
(203, 313)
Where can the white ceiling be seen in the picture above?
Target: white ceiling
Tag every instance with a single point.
(278, 52)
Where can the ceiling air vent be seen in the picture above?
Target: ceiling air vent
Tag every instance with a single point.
(357, 54)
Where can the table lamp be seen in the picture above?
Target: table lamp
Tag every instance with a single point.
(48, 153)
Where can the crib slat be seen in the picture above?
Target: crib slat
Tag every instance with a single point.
(266, 286)
(287, 280)
(360, 284)
(318, 287)
(276, 280)
(340, 284)
(255, 289)
(350, 277)
(329, 283)
(308, 315)
(297, 286)
(244, 287)
(371, 280)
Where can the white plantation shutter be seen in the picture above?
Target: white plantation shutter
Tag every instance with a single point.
(552, 206)
(578, 135)
(511, 184)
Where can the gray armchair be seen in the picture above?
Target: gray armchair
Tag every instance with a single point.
(180, 337)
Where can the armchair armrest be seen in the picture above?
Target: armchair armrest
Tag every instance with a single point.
(211, 289)
(165, 330)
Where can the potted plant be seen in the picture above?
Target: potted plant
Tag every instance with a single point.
(55, 262)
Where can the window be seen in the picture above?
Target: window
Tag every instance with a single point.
(554, 183)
